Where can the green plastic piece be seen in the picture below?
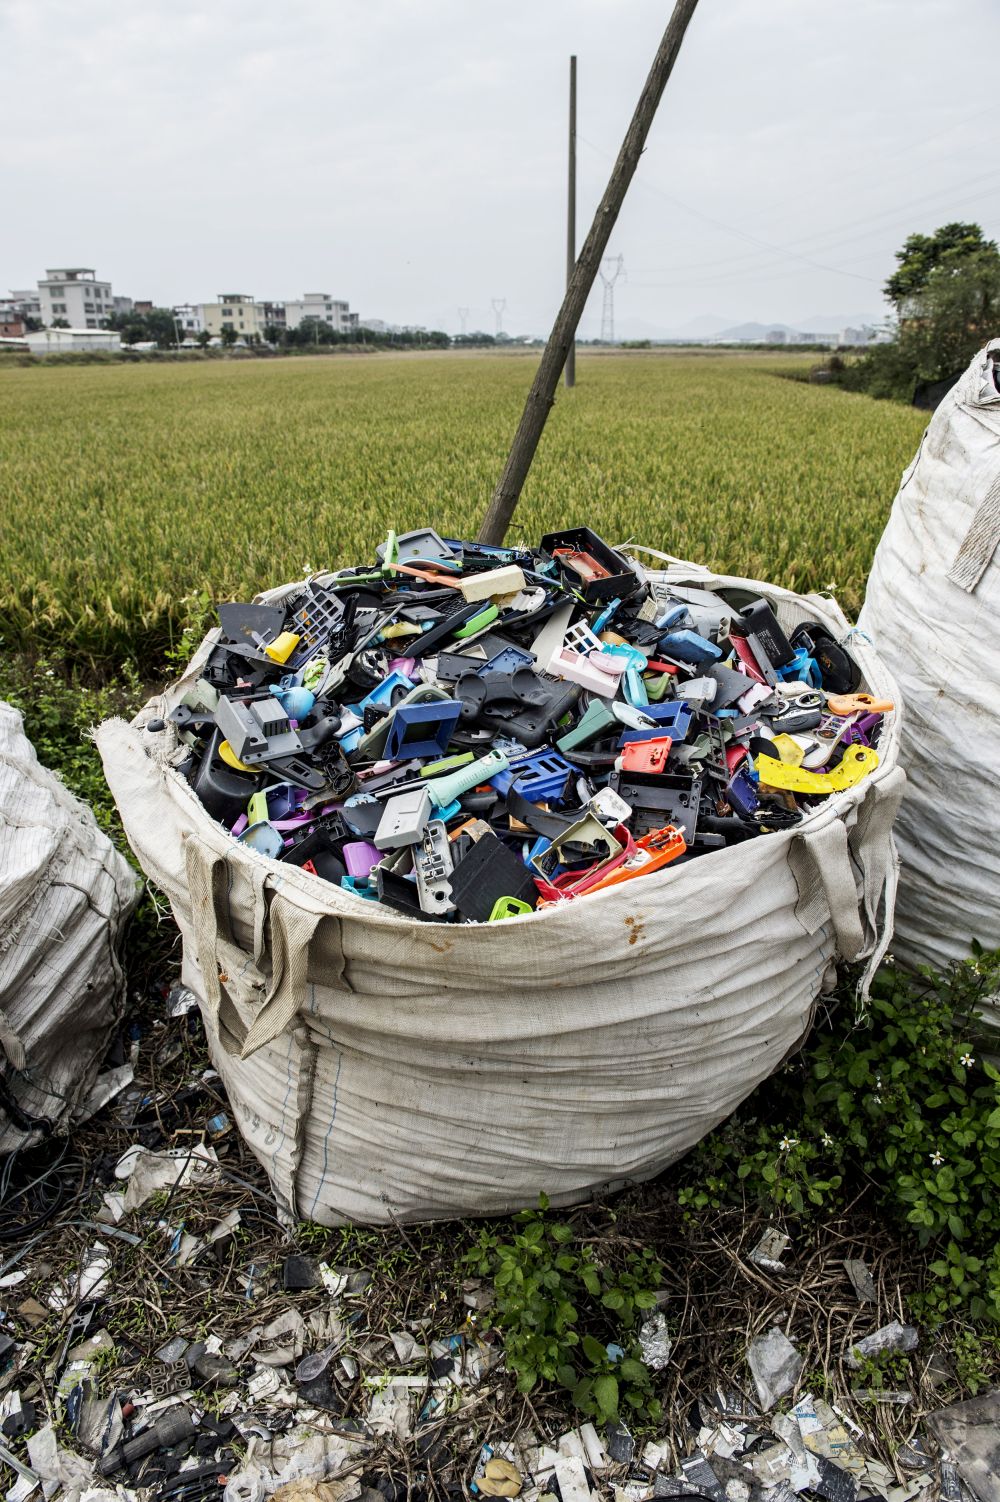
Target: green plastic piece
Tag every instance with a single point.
(391, 552)
(657, 685)
(478, 621)
(595, 722)
(448, 764)
(508, 907)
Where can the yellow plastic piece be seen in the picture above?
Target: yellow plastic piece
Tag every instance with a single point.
(612, 639)
(857, 763)
(232, 760)
(400, 628)
(282, 647)
(789, 750)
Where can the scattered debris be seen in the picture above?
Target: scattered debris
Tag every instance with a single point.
(891, 1337)
(769, 1249)
(655, 1342)
(969, 1436)
(775, 1365)
(861, 1280)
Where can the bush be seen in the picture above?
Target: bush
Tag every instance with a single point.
(545, 1286)
(897, 1103)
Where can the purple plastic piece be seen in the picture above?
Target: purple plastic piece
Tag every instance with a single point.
(360, 856)
(240, 825)
(860, 733)
(405, 665)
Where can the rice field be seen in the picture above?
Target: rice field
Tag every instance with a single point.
(135, 495)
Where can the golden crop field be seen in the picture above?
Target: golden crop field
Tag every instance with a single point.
(133, 495)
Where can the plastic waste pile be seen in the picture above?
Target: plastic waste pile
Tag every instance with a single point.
(465, 733)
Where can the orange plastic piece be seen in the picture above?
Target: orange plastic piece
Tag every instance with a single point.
(652, 852)
(846, 704)
(646, 756)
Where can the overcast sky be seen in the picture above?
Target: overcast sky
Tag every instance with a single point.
(409, 155)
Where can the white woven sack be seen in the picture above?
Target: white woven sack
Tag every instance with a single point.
(933, 611)
(382, 1068)
(64, 895)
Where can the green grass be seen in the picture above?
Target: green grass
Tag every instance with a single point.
(135, 494)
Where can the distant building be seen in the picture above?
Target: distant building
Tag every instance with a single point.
(190, 317)
(274, 313)
(322, 306)
(143, 305)
(848, 337)
(65, 341)
(73, 293)
(12, 324)
(23, 305)
(236, 311)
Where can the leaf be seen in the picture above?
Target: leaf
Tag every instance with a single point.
(591, 1281)
(613, 1299)
(526, 1379)
(891, 1154)
(645, 1300)
(633, 1371)
(606, 1393)
(567, 1376)
(594, 1351)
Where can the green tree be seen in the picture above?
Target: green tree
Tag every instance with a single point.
(161, 326)
(922, 254)
(203, 337)
(32, 325)
(228, 335)
(59, 323)
(955, 313)
(273, 333)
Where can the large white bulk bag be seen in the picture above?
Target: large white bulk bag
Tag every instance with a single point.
(933, 611)
(387, 1069)
(65, 893)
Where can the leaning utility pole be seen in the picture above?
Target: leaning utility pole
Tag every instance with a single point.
(571, 215)
(542, 393)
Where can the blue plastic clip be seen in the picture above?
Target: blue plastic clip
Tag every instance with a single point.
(540, 778)
(672, 718)
(688, 646)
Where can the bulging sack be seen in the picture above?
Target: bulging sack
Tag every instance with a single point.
(385, 1069)
(65, 893)
(932, 609)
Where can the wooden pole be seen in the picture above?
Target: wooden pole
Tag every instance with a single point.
(571, 216)
(543, 388)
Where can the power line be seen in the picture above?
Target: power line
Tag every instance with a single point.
(463, 317)
(499, 307)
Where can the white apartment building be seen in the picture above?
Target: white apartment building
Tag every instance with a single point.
(73, 293)
(26, 304)
(190, 318)
(322, 306)
(234, 310)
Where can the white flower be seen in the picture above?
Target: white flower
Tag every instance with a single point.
(788, 1142)
(937, 1159)
(826, 1140)
(967, 1060)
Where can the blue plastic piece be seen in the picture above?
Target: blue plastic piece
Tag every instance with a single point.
(361, 886)
(421, 729)
(672, 718)
(802, 668)
(688, 646)
(508, 661)
(669, 617)
(540, 778)
(382, 693)
(607, 614)
(295, 700)
(263, 838)
(635, 689)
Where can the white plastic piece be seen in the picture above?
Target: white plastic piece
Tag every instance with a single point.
(508, 580)
(404, 820)
(698, 691)
(756, 694)
(580, 638)
(607, 804)
(576, 668)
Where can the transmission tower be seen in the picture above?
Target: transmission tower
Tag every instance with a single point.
(463, 318)
(608, 307)
(499, 305)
